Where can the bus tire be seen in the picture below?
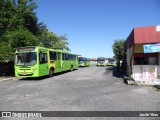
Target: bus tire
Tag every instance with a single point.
(51, 72)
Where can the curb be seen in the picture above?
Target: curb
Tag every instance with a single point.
(128, 80)
(131, 81)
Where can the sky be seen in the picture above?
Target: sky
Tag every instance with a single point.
(92, 26)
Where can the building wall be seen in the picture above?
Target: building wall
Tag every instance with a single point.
(142, 73)
(158, 70)
(138, 48)
(106, 61)
(159, 58)
(145, 68)
(147, 73)
(93, 62)
(129, 60)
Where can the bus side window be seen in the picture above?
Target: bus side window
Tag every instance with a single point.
(63, 56)
(73, 57)
(52, 55)
(66, 56)
(69, 57)
(43, 58)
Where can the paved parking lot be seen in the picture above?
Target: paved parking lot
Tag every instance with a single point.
(86, 89)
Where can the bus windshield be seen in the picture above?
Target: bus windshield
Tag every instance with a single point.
(81, 59)
(26, 59)
(101, 59)
(111, 60)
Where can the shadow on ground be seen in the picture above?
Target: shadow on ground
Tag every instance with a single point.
(34, 78)
(116, 73)
(43, 77)
(157, 86)
(109, 68)
(83, 66)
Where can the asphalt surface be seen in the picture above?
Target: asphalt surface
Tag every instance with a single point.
(86, 89)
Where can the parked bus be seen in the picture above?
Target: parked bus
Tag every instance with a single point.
(34, 61)
(101, 61)
(111, 62)
(84, 61)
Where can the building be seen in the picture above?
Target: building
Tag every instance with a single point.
(143, 54)
(93, 61)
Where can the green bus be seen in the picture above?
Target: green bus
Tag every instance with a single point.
(84, 61)
(101, 61)
(35, 61)
(111, 62)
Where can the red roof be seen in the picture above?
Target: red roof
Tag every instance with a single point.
(144, 35)
(93, 59)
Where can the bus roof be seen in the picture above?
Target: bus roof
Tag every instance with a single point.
(101, 58)
(30, 48)
(62, 51)
(83, 57)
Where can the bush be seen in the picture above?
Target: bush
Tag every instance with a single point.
(7, 68)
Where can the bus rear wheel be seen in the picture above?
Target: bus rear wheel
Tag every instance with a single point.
(51, 74)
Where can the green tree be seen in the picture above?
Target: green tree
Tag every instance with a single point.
(60, 42)
(18, 14)
(118, 50)
(25, 10)
(51, 40)
(18, 25)
(14, 39)
(7, 16)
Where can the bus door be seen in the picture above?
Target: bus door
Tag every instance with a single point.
(59, 60)
(43, 63)
(52, 60)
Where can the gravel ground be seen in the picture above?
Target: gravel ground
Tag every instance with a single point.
(86, 89)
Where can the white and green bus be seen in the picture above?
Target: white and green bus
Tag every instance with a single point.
(83, 61)
(35, 61)
(111, 62)
(101, 61)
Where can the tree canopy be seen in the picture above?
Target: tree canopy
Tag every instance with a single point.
(118, 49)
(19, 27)
(51, 40)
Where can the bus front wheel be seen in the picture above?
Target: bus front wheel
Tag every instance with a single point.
(51, 73)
